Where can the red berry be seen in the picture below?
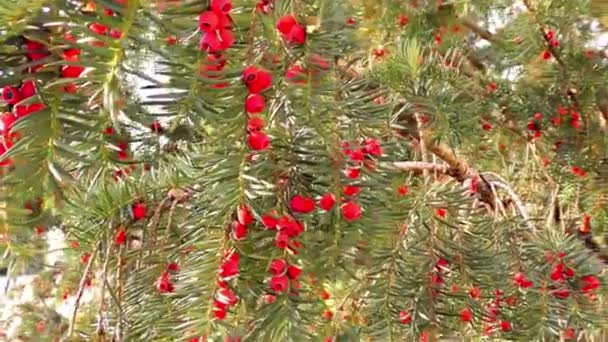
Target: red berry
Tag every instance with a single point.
(297, 35)
(254, 104)
(139, 211)
(538, 116)
(357, 155)
(590, 282)
(282, 240)
(351, 190)
(475, 292)
(121, 237)
(405, 317)
(325, 295)
(208, 21)
(85, 258)
(173, 266)
(211, 43)
(11, 95)
(327, 202)
(294, 271)
(301, 204)
(465, 315)
(402, 190)
(270, 222)
(156, 127)
(98, 28)
(239, 231)
(379, 51)
(255, 124)
(279, 283)
(505, 326)
(492, 87)
(547, 55)
(258, 141)
(296, 74)
(221, 6)
(278, 266)
(441, 212)
(226, 37)
(286, 23)
(372, 147)
(351, 211)
(562, 293)
(353, 173)
(351, 21)
(172, 40)
(256, 79)
(269, 299)
(244, 215)
(569, 334)
(486, 126)
(403, 20)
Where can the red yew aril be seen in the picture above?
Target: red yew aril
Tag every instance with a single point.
(211, 42)
(466, 315)
(351, 211)
(325, 295)
(405, 317)
(239, 231)
(226, 37)
(282, 240)
(561, 293)
(328, 315)
(402, 190)
(278, 266)
(403, 20)
(244, 215)
(351, 21)
(98, 28)
(256, 79)
(441, 212)
(28, 89)
(221, 6)
(8, 120)
(156, 127)
(85, 258)
(269, 222)
(353, 173)
(121, 237)
(115, 33)
(569, 334)
(258, 141)
(505, 326)
(139, 211)
(172, 40)
(327, 202)
(164, 284)
(475, 292)
(297, 35)
(296, 74)
(293, 272)
(357, 155)
(229, 269)
(208, 21)
(486, 126)
(11, 95)
(590, 282)
(173, 267)
(546, 55)
(286, 23)
(372, 147)
(279, 283)
(255, 104)
(351, 190)
(301, 204)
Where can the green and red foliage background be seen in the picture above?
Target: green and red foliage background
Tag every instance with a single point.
(306, 169)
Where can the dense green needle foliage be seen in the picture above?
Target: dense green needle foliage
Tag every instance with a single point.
(304, 170)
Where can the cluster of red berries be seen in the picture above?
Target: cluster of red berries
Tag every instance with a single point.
(71, 71)
(244, 218)
(225, 297)
(563, 279)
(535, 125)
(284, 276)
(216, 25)
(257, 81)
(164, 283)
(296, 74)
(288, 229)
(102, 29)
(13, 95)
(291, 30)
(549, 36)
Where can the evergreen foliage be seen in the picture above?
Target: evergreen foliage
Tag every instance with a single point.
(306, 170)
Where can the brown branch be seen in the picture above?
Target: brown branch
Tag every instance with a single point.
(421, 166)
(478, 30)
(83, 281)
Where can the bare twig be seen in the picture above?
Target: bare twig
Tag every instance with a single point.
(83, 281)
(104, 277)
(521, 207)
(421, 166)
